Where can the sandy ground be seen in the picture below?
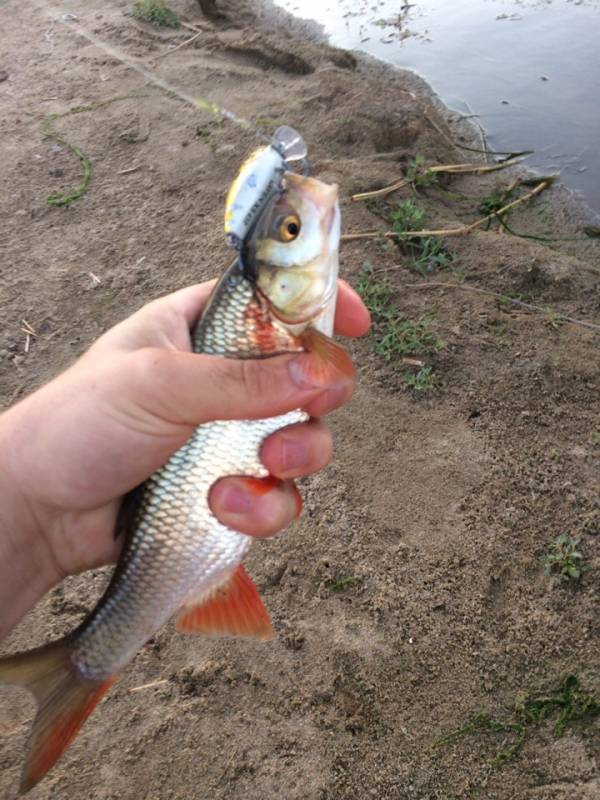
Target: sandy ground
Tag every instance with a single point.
(439, 507)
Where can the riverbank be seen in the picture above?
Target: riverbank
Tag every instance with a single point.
(411, 595)
(526, 70)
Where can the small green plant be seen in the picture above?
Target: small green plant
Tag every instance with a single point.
(156, 12)
(406, 217)
(433, 256)
(418, 175)
(497, 199)
(504, 301)
(564, 558)
(428, 253)
(423, 381)
(407, 337)
(376, 293)
(552, 319)
(398, 336)
(344, 582)
(568, 703)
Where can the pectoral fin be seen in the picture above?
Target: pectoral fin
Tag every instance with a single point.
(330, 359)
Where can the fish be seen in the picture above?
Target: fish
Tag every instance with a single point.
(277, 297)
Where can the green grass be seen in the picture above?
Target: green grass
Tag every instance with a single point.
(50, 132)
(496, 200)
(552, 319)
(344, 582)
(419, 176)
(396, 335)
(156, 12)
(376, 293)
(422, 382)
(407, 337)
(426, 254)
(564, 558)
(81, 189)
(566, 704)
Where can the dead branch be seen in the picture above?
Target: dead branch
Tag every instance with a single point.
(504, 298)
(451, 169)
(461, 231)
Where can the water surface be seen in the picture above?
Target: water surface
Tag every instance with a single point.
(530, 70)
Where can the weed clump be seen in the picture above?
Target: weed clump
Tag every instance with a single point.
(344, 582)
(564, 558)
(397, 335)
(156, 12)
(426, 254)
(568, 703)
(423, 381)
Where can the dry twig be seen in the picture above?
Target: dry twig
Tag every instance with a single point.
(183, 44)
(505, 299)
(151, 685)
(450, 169)
(461, 231)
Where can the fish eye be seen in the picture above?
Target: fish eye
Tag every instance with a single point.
(289, 228)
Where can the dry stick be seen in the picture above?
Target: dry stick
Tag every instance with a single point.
(452, 169)
(183, 44)
(463, 230)
(148, 685)
(191, 27)
(504, 298)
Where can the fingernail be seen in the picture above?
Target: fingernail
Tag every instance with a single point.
(236, 499)
(238, 496)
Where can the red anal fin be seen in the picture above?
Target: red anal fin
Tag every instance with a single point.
(329, 361)
(232, 609)
(65, 701)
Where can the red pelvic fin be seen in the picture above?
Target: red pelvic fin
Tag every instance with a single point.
(329, 361)
(65, 701)
(232, 609)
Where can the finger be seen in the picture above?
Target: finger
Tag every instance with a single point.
(190, 302)
(351, 315)
(255, 506)
(297, 450)
(165, 322)
(190, 389)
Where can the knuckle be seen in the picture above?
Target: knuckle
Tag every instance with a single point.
(256, 377)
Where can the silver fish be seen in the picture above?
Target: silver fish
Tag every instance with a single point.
(177, 557)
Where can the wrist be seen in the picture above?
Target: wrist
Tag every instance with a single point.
(27, 569)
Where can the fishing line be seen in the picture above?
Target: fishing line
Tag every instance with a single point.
(70, 21)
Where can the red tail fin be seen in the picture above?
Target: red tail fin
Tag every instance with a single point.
(65, 701)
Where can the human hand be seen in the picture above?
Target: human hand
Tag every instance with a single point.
(74, 447)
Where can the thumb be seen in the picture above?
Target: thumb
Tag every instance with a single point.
(189, 388)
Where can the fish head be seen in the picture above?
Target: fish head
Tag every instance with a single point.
(292, 252)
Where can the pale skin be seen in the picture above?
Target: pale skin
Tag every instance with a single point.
(71, 450)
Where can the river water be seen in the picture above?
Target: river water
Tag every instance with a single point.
(529, 69)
